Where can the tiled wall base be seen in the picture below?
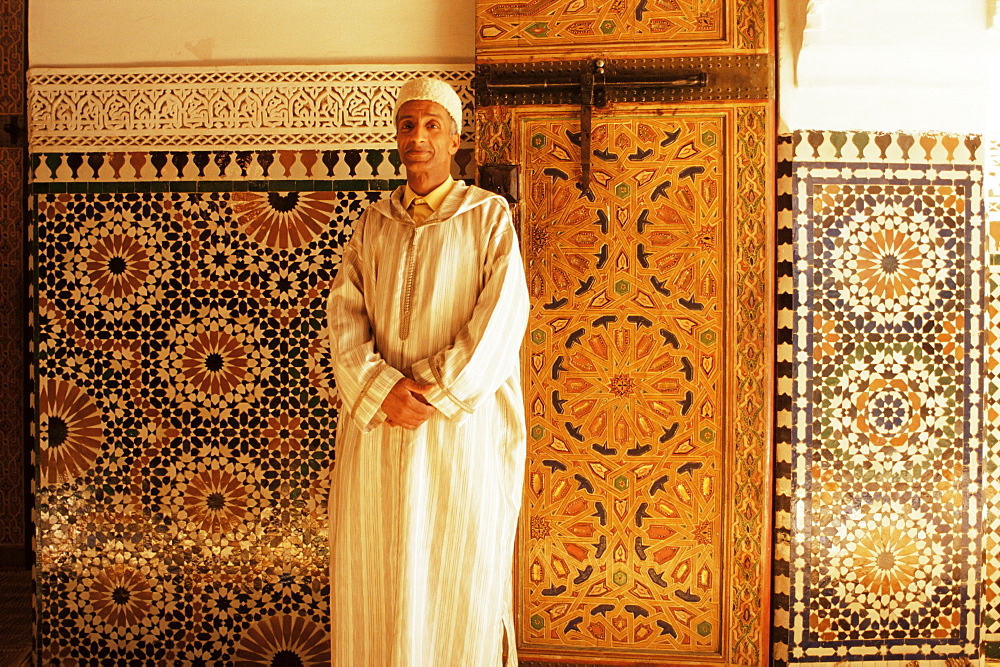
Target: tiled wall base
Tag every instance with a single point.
(783, 373)
(184, 241)
(186, 423)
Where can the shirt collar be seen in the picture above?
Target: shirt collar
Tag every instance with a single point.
(433, 199)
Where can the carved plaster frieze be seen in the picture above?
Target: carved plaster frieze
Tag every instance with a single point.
(249, 108)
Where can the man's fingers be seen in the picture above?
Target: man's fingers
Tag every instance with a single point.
(417, 387)
(420, 398)
(417, 390)
(405, 405)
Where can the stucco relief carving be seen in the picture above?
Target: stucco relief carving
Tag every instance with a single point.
(93, 110)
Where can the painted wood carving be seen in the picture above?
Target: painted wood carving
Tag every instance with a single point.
(525, 29)
(643, 521)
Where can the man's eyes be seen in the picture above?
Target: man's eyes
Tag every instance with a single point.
(408, 127)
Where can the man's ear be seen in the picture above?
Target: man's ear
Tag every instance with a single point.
(456, 141)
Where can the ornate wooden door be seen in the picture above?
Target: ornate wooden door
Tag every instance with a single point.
(647, 367)
(14, 336)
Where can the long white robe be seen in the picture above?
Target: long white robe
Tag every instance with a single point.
(422, 522)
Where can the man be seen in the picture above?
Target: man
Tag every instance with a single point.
(426, 315)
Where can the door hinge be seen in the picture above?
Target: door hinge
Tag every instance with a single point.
(14, 134)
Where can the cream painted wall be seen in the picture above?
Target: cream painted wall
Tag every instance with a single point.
(884, 65)
(916, 65)
(236, 32)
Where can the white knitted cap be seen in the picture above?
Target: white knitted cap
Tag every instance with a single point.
(432, 90)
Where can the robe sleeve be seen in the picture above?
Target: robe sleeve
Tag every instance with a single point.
(486, 350)
(362, 376)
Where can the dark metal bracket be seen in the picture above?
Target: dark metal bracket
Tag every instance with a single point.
(601, 82)
(501, 179)
(621, 81)
(14, 134)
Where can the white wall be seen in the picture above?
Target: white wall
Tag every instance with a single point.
(916, 65)
(237, 32)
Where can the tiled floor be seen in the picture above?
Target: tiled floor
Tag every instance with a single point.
(15, 617)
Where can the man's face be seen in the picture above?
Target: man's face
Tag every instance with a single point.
(425, 140)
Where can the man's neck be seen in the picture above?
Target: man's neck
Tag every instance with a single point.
(423, 184)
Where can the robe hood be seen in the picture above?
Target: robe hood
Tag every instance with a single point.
(461, 199)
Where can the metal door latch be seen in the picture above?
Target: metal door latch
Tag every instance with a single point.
(589, 84)
(13, 135)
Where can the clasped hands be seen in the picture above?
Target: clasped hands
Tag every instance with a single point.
(406, 406)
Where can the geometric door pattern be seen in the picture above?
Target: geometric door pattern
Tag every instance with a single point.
(626, 405)
(632, 538)
(675, 21)
(644, 530)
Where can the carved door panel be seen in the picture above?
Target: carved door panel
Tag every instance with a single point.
(645, 530)
(14, 501)
(525, 30)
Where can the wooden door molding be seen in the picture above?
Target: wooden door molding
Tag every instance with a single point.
(565, 29)
(645, 532)
(14, 499)
(645, 535)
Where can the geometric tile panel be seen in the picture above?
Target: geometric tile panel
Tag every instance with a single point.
(186, 423)
(185, 411)
(886, 443)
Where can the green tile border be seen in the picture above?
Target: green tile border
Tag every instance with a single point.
(991, 650)
(124, 187)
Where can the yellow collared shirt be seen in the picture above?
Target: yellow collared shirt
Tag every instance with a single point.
(424, 206)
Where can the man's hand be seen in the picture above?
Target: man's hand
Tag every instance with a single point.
(406, 406)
